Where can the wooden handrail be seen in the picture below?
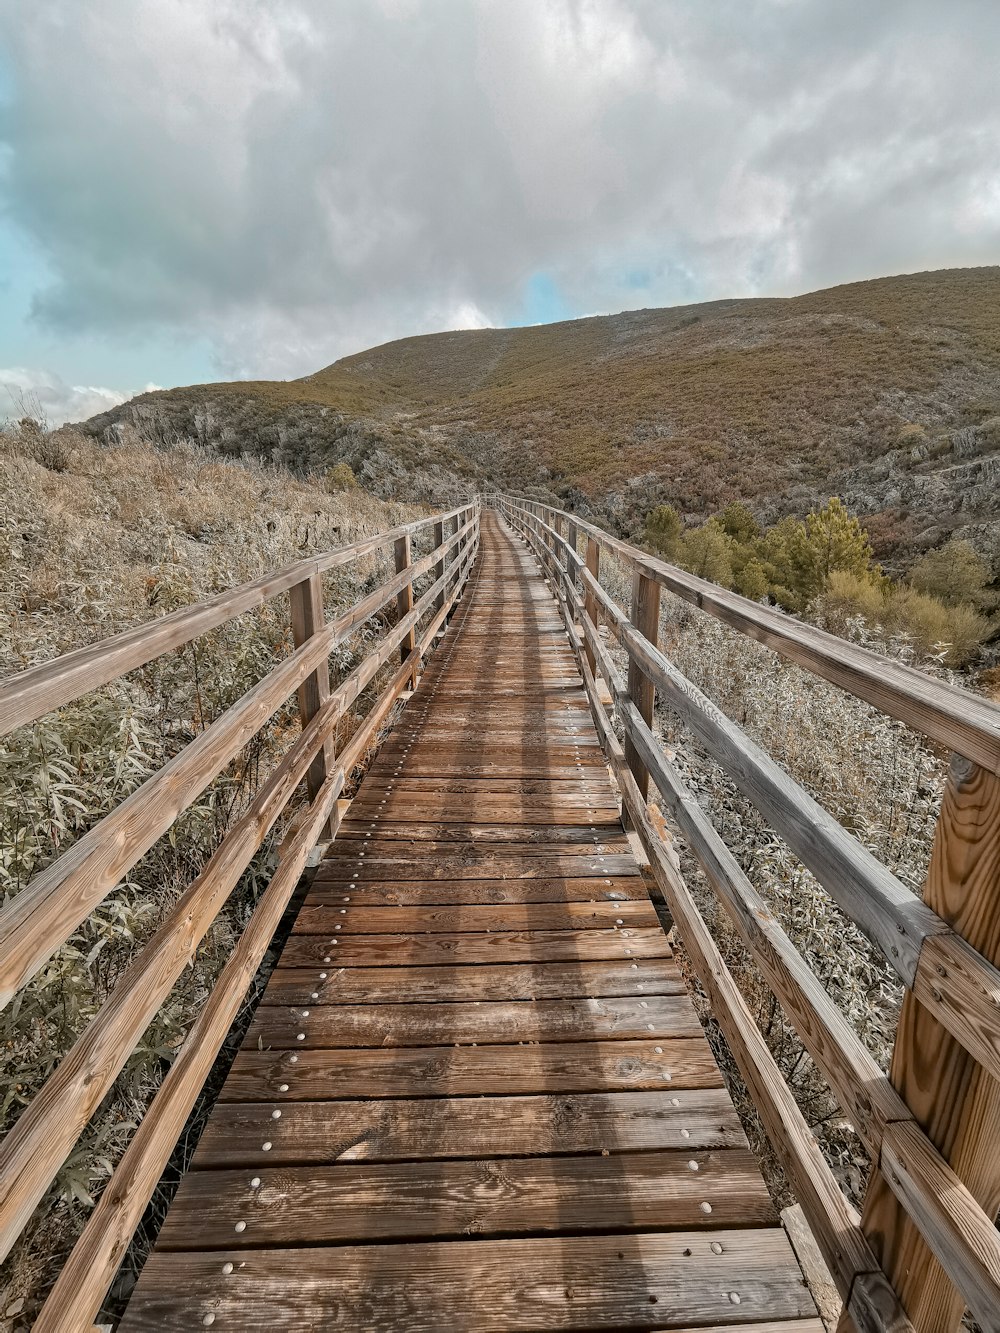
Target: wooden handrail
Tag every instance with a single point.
(43, 1136)
(37, 690)
(964, 722)
(938, 1182)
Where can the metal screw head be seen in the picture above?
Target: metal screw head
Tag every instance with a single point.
(282, 1087)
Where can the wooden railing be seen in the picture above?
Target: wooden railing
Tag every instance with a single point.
(925, 1245)
(42, 917)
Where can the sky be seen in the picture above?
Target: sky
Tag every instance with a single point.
(201, 189)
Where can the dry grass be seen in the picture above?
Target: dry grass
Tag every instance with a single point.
(93, 540)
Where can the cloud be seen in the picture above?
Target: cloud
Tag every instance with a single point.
(31, 392)
(294, 180)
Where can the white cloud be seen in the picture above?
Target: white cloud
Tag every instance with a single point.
(32, 392)
(293, 180)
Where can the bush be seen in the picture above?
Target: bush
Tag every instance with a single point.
(932, 630)
(953, 573)
(340, 477)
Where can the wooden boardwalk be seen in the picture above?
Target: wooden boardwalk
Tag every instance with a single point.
(476, 1094)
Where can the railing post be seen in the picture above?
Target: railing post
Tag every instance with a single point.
(450, 560)
(952, 1098)
(306, 605)
(646, 619)
(404, 603)
(439, 567)
(590, 601)
(573, 537)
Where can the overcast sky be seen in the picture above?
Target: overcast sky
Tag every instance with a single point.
(196, 189)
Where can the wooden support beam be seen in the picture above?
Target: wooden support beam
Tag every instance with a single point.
(646, 619)
(439, 567)
(306, 603)
(404, 602)
(954, 1100)
(590, 601)
(573, 537)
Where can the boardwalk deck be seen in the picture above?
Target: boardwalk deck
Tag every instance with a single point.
(476, 1094)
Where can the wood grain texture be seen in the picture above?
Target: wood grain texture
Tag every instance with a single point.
(598, 1282)
(950, 1094)
(425, 1128)
(315, 1205)
(327, 1026)
(354, 920)
(442, 983)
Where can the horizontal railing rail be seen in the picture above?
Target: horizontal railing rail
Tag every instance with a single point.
(38, 690)
(926, 1244)
(44, 915)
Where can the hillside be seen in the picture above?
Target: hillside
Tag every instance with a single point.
(885, 392)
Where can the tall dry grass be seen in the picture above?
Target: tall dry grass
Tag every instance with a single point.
(94, 539)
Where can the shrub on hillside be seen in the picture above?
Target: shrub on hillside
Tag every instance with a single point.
(954, 573)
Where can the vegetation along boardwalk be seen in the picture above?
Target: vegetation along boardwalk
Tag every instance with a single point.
(476, 1093)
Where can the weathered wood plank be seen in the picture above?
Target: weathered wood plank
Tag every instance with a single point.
(404, 985)
(488, 865)
(326, 1026)
(315, 1205)
(330, 892)
(351, 919)
(384, 1131)
(529, 946)
(462, 1071)
(578, 1283)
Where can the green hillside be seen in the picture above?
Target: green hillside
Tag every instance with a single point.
(886, 392)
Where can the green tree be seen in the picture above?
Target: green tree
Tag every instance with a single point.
(955, 573)
(664, 530)
(738, 522)
(752, 580)
(705, 551)
(835, 539)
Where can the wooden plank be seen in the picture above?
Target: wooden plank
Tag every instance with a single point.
(354, 920)
(328, 1026)
(329, 1132)
(646, 621)
(535, 946)
(307, 618)
(462, 1071)
(607, 838)
(316, 1205)
(587, 1282)
(427, 863)
(405, 985)
(441, 893)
